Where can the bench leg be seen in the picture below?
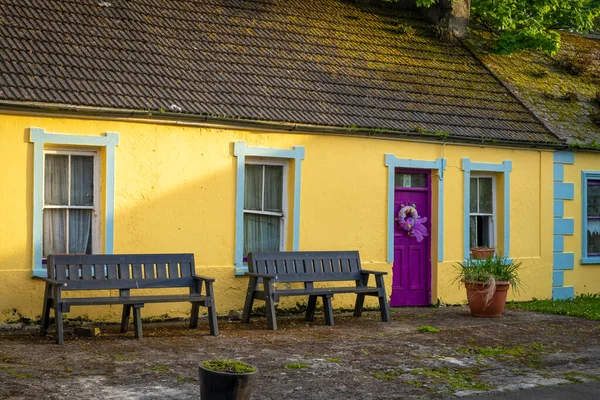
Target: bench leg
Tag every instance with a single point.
(194, 315)
(125, 318)
(270, 304)
(212, 309)
(358, 306)
(383, 304)
(328, 309)
(58, 314)
(252, 287)
(45, 322)
(137, 320)
(310, 308)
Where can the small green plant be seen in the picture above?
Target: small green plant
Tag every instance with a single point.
(490, 271)
(427, 328)
(229, 366)
(334, 360)
(296, 366)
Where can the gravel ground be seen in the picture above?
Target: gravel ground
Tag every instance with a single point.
(355, 359)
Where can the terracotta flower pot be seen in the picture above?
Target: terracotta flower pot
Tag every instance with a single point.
(481, 253)
(476, 296)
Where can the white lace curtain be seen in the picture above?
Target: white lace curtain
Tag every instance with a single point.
(67, 227)
(263, 204)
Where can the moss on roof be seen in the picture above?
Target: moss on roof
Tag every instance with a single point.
(564, 90)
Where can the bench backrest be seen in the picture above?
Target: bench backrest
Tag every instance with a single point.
(306, 266)
(122, 271)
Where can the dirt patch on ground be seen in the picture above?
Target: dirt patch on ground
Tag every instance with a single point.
(355, 359)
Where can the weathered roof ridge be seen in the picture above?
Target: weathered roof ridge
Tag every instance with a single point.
(310, 62)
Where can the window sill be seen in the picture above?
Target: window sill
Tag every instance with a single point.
(590, 260)
(39, 273)
(240, 271)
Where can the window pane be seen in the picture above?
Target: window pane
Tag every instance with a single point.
(80, 231)
(485, 196)
(473, 195)
(410, 180)
(55, 233)
(261, 233)
(273, 188)
(82, 181)
(593, 237)
(473, 231)
(593, 199)
(253, 187)
(484, 231)
(56, 191)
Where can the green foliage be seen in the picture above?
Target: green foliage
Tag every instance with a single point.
(427, 328)
(584, 306)
(530, 24)
(533, 24)
(491, 270)
(229, 366)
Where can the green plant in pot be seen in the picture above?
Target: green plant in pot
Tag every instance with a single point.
(226, 380)
(487, 283)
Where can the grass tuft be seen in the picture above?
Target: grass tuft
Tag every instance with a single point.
(429, 329)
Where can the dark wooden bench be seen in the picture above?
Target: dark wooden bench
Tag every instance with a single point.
(124, 272)
(308, 267)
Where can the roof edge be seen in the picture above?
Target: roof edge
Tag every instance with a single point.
(223, 122)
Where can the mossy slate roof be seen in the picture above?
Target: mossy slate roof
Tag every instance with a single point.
(568, 102)
(315, 62)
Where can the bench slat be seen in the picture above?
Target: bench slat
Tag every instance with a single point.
(125, 258)
(161, 270)
(128, 284)
(124, 272)
(186, 269)
(173, 270)
(149, 271)
(322, 291)
(86, 272)
(136, 270)
(90, 301)
(111, 271)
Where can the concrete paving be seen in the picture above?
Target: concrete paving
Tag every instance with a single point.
(575, 391)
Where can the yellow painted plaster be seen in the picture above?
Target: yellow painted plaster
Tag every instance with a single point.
(585, 278)
(175, 192)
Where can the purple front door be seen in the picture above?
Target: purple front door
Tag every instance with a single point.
(411, 273)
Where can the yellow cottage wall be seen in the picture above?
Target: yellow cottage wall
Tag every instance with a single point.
(584, 278)
(175, 192)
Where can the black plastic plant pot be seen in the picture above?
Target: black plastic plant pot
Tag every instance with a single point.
(215, 385)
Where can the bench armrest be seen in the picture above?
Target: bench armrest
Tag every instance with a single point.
(366, 271)
(204, 278)
(53, 281)
(261, 275)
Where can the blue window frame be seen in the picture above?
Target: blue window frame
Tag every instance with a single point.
(40, 140)
(590, 220)
(242, 151)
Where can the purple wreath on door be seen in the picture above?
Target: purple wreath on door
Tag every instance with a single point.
(410, 221)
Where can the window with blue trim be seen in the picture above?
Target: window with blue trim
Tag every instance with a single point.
(264, 206)
(67, 195)
(591, 219)
(71, 192)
